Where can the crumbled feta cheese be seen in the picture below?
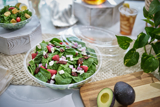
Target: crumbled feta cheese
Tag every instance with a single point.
(69, 55)
(84, 53)
(51, 81)
(79, 45)
(71, 58)
(74, 70)
(52, 49)
(51, 63)
(53, 77)
(80, 71)
(61, 72)
(44, 53)
(71, 66)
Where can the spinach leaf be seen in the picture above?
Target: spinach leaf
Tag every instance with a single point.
(30, 70)
(57, 44)
(44, 61)
(88, 62)
(92, 69)
(55, 66)
(32, 66)
(142, 40)
(60, 80)
(44, 47)
(78, 78)
(124, 41)
(92, 54)
(38, 49)
(56, 40)
(65, 68)
(131, 57)
(150, 64)
(43, 75)
(70, 51)
(38, 58)
(86, 75)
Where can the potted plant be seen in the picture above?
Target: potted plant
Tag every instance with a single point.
(149, 62)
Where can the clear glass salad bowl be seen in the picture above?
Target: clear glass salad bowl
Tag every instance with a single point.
(61, 87)
(18, 25)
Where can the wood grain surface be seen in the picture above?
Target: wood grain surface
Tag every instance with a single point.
(146, 86)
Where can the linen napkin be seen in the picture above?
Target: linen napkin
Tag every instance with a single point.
(5, 79)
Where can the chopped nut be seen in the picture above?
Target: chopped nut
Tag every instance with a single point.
(7, 13)
(57, 46)
(14, 11)
(80, 61)
(61, 50)
(13, 21)
(74, 47)
(62, 62)
(27, 15)
(37, 70)
(76, 54)
(74, 74)
(52, 45)
(45, 56)
(86, 56)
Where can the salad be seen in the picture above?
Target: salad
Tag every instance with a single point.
(63, 62)
(14, 14)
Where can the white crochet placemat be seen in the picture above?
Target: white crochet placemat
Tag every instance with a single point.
(110, 68)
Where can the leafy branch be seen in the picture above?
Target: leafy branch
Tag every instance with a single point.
(149, 62)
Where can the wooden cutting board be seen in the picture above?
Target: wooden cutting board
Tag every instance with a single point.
(146, 86)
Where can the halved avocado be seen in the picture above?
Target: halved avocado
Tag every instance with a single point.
(105, 98)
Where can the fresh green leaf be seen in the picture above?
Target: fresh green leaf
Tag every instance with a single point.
(150, 64)
(43, 75)
(131, 58)
(70, 51)
(55, 66)
(124, 41)
(88, 62)
(60, 80)
(142, 40)
(38, 58)
(149, 21)
(144, 57)
(44, 47)
(157, 18)
(44, 61)
(156, 48)
(157, 33)
(145, 12)
(78, 78)
(32, 67)
(154, 7)
(86, 75)
(38, 49)
(56, 40)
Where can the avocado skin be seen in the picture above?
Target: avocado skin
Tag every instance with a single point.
(113, 99)
(124, 93)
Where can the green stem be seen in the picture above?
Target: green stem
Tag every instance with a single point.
(145, 49)
(150, 50)
(157, 55)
